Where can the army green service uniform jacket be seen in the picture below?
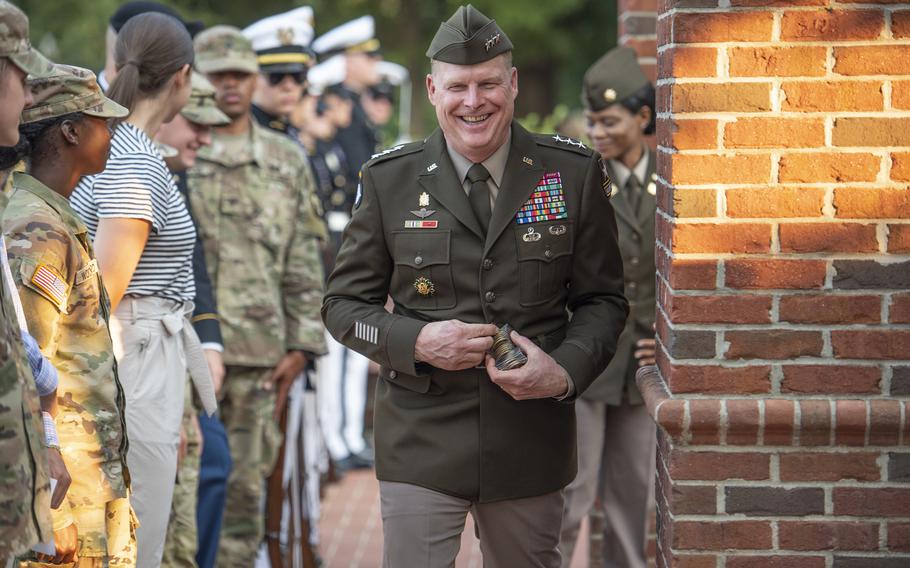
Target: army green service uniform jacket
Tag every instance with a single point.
(67, 310)
(257, 212)
(636, 243)
(457, 432)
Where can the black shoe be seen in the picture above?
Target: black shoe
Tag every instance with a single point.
(354, 461)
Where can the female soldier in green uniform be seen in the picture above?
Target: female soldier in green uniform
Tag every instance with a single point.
(66, 306)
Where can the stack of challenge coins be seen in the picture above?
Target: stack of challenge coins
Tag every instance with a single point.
(506, 354)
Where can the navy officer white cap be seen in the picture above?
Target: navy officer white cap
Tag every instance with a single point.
(330, 72)
(356, 36)
(282, 39)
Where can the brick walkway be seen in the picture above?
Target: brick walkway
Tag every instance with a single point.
(351, 527)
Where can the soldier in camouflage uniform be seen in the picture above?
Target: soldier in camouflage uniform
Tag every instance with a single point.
(67, 308)
(24, 490)
(197, 117)
(253, 197)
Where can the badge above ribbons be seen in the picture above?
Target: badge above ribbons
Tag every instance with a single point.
(547, 203)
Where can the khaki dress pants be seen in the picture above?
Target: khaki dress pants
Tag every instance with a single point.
(151, 357)
(616, 456)
(422, 528)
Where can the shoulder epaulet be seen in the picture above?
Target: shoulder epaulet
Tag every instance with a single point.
(563, 143)
(395, 152)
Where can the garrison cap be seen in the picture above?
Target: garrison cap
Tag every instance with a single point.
(201, 108)
(281, 41)
(130, 9)
(356, 36)
(612, 78)
(14, 42)
(468, 38)
(65, 90)
(224, 48)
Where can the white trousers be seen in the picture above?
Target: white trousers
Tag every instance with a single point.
(342, 391)
(152, 362)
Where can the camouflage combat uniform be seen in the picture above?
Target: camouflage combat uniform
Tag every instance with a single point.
(67, 310)
(254, 202)
(24, 490)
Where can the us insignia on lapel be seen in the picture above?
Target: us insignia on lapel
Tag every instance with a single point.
(606, 182)
(547, 202)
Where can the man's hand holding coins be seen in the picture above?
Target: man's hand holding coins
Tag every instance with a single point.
(540, 377)
(454, 345)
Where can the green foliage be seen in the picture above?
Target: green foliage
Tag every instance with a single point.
(555, 41)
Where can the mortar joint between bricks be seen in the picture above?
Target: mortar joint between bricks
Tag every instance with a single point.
(901, 439)
(882, 536)
(832, 413)
(887, 31)
(887, 374)
(777, 377)
(881, 234)
(827, 347)
(761, 423)
(828, 492)
(797, 420)
(775, 535)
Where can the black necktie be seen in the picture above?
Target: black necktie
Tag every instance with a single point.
(633, 192)
(479, 195)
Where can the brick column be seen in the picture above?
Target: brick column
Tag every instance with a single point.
(783, 268)
(638, 30)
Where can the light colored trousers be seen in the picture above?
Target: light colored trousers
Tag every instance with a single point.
(149, 343)
(616, 455)
(342, 391)
(422, 528)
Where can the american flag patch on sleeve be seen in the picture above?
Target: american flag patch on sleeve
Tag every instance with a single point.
(48, 282)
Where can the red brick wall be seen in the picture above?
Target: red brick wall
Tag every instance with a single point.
(783, 381)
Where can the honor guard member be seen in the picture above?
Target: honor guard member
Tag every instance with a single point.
(25, 512)
(282, 50)
(328, 159)
(186, 133)
(342, 372)
(252, 194)
(356, 42)
(67, 308)
(615, 433)
(479, 225)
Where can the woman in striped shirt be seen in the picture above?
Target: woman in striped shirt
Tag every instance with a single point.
(144, 241)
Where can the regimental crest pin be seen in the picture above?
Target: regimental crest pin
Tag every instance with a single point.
(424, 286)
(423, 202)
(652, 188)
(610, 95)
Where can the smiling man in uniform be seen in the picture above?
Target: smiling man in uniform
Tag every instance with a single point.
(481, 224)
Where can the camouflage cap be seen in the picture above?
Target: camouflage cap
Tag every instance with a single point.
(612, 78)
(224, 48)
(468, 38)
(201, 107)
(14, 42)
(65, 90)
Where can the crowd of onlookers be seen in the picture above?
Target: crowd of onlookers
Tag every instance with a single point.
(167, 227)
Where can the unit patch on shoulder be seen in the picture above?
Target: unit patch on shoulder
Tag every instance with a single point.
(48, 281)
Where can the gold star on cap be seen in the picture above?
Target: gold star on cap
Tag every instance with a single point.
(610, 95)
